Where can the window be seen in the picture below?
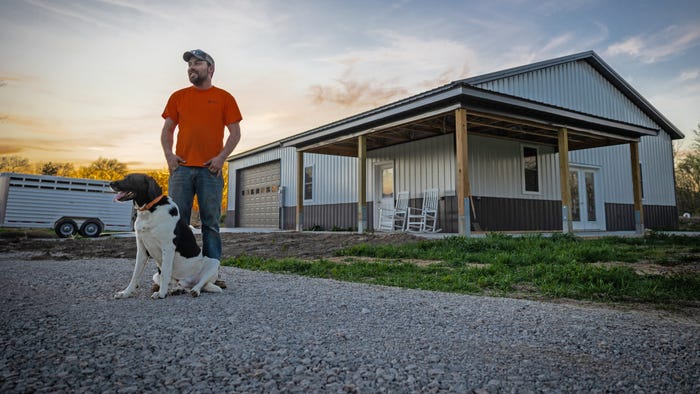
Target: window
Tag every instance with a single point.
(531, 172)
(308, 183)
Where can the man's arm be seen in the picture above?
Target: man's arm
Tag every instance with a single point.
(167, 137)
(234, 136)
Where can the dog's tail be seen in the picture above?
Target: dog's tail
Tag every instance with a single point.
(212, 288)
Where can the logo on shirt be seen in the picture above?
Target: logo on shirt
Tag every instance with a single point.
(210, 101)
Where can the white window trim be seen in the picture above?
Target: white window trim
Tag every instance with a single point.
(522, 169)
(313, 189)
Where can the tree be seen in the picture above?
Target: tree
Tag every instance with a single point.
(104, 169)
(161, 177)
(56, 169)
(49, 168)
(15, 164)
(688, 178)
(66, 169)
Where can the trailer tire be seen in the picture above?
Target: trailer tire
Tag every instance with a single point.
(65, 228)
(91, 228)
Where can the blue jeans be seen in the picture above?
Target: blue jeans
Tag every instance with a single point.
(183, 185)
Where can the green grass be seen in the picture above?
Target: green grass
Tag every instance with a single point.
(11, 232)
(531, 266)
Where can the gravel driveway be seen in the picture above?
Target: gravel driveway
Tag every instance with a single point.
(63, 332)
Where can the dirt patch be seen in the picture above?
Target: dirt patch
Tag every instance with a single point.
(646, 268)
(305, 245)
(418, 262)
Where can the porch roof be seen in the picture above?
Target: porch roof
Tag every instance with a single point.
(489, 113)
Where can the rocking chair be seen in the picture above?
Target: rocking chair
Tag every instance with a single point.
(394, 219)
(424, 219)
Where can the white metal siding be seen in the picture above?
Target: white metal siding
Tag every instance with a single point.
(655, 153)
(335, 177)
(494, 170)
(494, 167)
(575, 85)
(420, 165)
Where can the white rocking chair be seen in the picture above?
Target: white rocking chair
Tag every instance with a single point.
(394, 219)
(424, 219)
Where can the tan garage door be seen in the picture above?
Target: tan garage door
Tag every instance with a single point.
(258, 197)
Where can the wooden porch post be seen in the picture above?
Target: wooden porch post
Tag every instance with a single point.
(637, 188)
(462, 160)
(361, 184)
(567, 224)
(300, 190)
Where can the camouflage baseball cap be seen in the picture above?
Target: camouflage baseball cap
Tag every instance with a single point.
(199, 54)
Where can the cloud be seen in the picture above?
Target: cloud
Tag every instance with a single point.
(30, 122)
(689, 75)
(652, 48)
(8, 149)
(77, 13)
(11, 80)
(352, 92)
(400, 65)
(557, 43)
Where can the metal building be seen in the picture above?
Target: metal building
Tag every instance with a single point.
(560, 145)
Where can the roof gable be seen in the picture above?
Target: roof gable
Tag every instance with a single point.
(581, 82)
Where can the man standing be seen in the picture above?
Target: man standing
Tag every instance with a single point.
(201, 112)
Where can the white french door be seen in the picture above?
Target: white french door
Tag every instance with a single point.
(587, 202)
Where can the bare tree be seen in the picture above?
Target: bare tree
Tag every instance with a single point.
(15, 164)
(688, 177)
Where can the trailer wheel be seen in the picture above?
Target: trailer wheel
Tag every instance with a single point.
(91, 228)
(65, 228)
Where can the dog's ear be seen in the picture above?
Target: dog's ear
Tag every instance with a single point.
(154, 190)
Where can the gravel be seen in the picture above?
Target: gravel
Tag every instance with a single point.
(63, 332)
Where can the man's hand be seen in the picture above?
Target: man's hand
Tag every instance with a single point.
(174, 161)
(215, 165)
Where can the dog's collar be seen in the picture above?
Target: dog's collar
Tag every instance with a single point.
(152, 203)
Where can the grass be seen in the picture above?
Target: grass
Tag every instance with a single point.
(11, 232)
(560, 266)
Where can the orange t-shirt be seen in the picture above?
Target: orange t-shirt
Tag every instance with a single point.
(201, 116)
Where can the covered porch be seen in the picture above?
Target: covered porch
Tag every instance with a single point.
(461, 110)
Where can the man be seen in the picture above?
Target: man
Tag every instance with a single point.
(201, 112)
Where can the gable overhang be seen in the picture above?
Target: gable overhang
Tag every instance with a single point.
(631, 93)
(488, 113)
(600, 66)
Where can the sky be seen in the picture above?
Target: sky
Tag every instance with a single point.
(80, 80)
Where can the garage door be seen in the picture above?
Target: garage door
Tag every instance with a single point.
(258, 197)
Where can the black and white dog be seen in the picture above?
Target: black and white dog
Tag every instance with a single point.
(163, 235)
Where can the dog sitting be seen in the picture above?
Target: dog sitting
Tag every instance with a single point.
(163, 235)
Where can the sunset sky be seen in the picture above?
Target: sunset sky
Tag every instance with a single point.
(81, 80)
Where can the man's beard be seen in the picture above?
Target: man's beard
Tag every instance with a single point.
(197, 79)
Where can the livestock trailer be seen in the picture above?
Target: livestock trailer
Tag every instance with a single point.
(68, 205)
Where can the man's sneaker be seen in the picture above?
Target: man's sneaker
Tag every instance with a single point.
(220, 282)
